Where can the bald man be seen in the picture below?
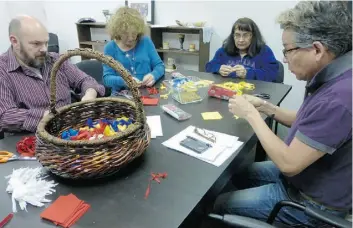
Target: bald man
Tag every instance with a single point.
(25, 77)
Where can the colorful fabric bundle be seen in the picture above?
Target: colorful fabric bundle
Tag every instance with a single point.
(98, 129)
(26, 146)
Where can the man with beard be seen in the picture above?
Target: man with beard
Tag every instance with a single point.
(25, 77)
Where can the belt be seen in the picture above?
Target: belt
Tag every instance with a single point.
(296, 195)
(321, 204)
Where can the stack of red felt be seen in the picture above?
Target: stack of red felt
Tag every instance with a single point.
(65, 211)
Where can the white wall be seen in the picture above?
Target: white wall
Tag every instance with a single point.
(9, 9)
(61, 16)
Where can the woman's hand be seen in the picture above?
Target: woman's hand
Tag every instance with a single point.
(225, 70)
(240, 71)
(138, 82)
(148, 80)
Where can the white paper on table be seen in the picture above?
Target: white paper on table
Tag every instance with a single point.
(225, 155)
(224, 147)
(155, 124)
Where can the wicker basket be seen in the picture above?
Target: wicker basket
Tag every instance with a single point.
(91, 159)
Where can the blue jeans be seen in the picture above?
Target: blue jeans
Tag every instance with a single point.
(263, 189)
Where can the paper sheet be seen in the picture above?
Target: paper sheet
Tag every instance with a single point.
(211, 116)
(154, 122)
(224, 147)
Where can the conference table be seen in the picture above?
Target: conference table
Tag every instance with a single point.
(191, 183)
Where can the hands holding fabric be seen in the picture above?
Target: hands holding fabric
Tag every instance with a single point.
(139, 83)
(245, 105)
(148, 80)
(240, 70)
(225, 70)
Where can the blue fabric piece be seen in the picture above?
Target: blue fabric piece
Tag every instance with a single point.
(123, 122)
(90, 123)
(114, 125)
(65, 135)
(73, 132)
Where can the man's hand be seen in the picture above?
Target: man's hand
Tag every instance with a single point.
(257, 102)
(46, 113)
(89, 95)
(240, 71)
(225, 70)
(261, 105)
(148, 80)
(241, 107)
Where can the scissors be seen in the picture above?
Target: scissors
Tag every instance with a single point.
(263, 95)
(6, 156)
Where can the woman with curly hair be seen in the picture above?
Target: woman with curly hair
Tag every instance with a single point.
(132, 49)
(244, 54)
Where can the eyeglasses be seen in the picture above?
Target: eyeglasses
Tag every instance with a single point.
(285, 52)
(205, 134)
(245, 36)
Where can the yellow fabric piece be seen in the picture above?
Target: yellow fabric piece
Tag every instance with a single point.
(211, 116)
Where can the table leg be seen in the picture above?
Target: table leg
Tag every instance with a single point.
(260, 151)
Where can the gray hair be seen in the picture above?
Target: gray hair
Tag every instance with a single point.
(328, 22)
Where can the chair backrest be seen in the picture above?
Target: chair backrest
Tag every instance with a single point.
(53, 44)
(93, 68)
(280, 75)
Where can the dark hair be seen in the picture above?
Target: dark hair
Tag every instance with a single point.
(248, 25)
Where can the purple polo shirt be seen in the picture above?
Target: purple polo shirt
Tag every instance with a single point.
(324, 122)
(25, 95)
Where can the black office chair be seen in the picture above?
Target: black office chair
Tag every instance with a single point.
(280, 75)
(246, 222)
(279, 79)
(53, 44)
(93, 68)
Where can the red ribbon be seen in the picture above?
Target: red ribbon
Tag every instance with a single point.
(152, 90)
(26, 146)
(155, 177)
(6, 220)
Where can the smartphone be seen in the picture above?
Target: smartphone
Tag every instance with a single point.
(195, 144)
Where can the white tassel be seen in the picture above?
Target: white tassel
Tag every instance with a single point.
(27, 186)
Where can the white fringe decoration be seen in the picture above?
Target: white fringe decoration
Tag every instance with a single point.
(27, 185)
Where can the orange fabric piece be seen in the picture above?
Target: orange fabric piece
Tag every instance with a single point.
(65, 211)
(150, 101)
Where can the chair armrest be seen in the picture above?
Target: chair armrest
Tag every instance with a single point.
(108, 91)
(240, 221)
(75, 95)
(328, 218)
(323, 216)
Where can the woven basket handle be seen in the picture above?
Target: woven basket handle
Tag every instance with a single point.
(89, 53)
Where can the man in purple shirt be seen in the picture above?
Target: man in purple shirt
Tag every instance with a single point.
(25, 77)
(315, 160)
